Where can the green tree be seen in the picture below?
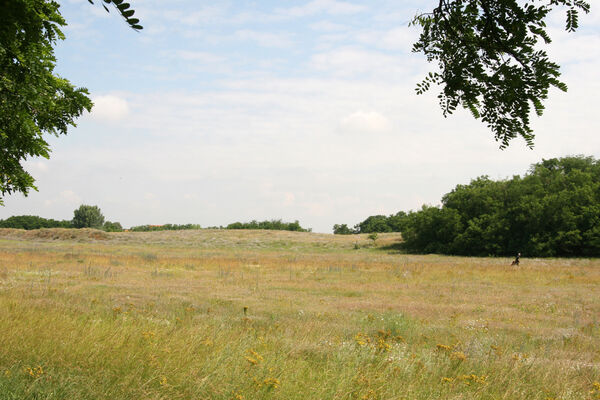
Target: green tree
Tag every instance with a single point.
(112, 227)
(342, 229)
(489, 59)
(88, 217)
(34, 101)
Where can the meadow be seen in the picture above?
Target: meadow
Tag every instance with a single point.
(220, 314)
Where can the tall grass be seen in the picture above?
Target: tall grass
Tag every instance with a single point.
(143, 317)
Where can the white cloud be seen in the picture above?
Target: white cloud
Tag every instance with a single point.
(332, 7)
(356, 62)
(364, 122)
(264, 39)
(109, 108)
(65, 197)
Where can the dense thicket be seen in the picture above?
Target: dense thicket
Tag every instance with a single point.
(274, 224)
(553, 210)
(29, 222)
(165, 227)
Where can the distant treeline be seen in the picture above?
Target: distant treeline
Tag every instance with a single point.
(553, 210)
(274, 224)
(165, 227)
(29, 222)
(375, 223)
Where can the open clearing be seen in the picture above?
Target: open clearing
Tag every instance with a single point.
(215, 314)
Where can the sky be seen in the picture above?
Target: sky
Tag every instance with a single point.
(304, 110)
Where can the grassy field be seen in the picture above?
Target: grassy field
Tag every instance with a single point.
(281, 315)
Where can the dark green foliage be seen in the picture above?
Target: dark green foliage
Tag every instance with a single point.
(432, 230)
(375, 223)
(34, 102)
(342, 229)
(554, 210)
(274, 224)
(29, 222)
(88, 217)
(165, 227)
(490, 61)
(125, 10)
(112, 227)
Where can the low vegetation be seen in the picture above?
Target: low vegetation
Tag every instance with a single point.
(241, 314)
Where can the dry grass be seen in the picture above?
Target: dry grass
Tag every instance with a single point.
(263, 314)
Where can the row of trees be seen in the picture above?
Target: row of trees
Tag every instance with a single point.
(274, 224)
(83, 217)
(553, 210)
(165, 227)
(374, 224)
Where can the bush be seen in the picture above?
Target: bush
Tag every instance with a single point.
(112, 227)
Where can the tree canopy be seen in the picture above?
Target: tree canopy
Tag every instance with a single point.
(34, 101)
(489, 59)
(553, 210)
(88, 217)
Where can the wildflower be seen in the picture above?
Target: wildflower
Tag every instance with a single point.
(163, 381)
(238, 396)
(443, 347)
(361, 339)
(447, 380)
(148, 334)
(7, 373)
(254, 358)
(458, 355)
(33, 372)
(251, 360)
(117, 310)
(382, 346)
(497, 350)
(271, 383)
(369, 395)
(399, 338)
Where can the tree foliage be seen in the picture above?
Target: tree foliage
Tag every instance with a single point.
(489, 59)
(33, 100)
(554, 210)
(374, 223)
(125, 10)
(165, 227)
(274, 224)
(88, 217)
(29, 222)
(112, 227)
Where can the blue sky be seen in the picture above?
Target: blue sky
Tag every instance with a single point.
(230, 111)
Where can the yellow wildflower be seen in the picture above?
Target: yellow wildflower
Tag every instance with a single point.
(458, 355)
(272, 383)
(443, 347)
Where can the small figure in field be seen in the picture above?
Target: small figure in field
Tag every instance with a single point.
(516, 262)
